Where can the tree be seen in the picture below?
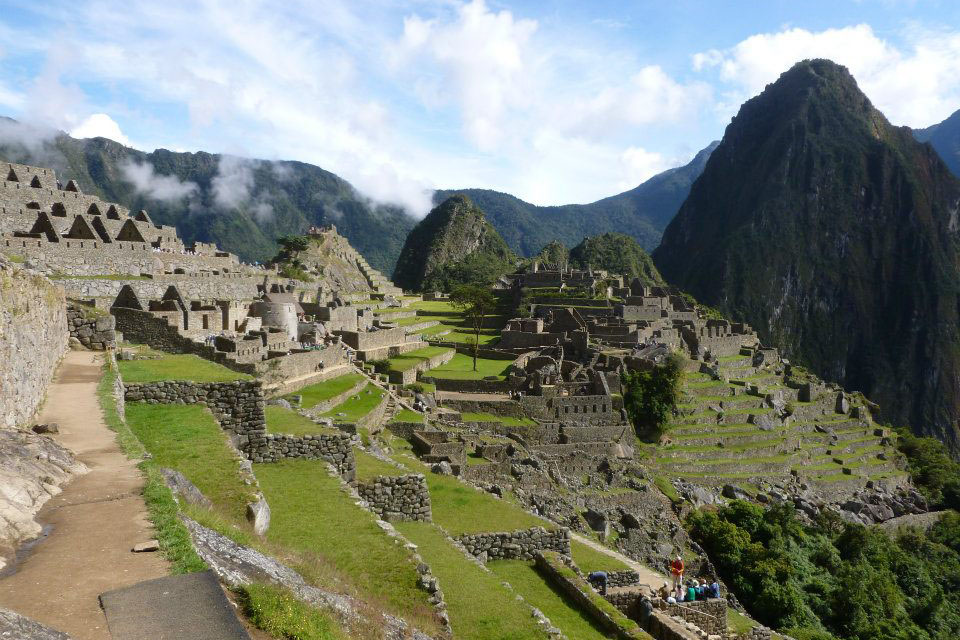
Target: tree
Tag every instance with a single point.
(650, 395)
(475, 303)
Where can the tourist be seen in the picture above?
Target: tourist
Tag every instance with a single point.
(599, 581)
(698, 589)
(664, 591)
(691, 592)
(676, 570)
(714, 589)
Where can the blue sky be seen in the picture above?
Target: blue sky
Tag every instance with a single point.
(554, 102)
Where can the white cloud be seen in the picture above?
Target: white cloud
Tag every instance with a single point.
(154, 185)
(916, 84)
(100, 125)
(639, 165)
(232, 184)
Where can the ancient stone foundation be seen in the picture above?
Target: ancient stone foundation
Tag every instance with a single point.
(398, 497)
(524, 544)
(333, 448)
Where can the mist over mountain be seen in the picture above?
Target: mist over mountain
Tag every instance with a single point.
(834, 234)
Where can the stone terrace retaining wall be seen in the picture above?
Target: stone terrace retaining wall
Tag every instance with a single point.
(708, 615)
(626, 578)
(608, 617)
(410, 375)
(325, 405)
(333, 448)
(524, 544)
(33, 337)
(398, 497)
(93, 330)
(238, 407)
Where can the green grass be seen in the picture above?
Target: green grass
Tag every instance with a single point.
(406, 415)
(461, 509)
(283, 420)
(411, 359)
(480, 608)
(310, 514)
(15, 258)
(276, 611)
(170, 366)
(738, 622)
(314, 394)
(460, 367)
(357, 406)
(589, 559)
(469, 416)
(369, 467)
(668, 489)
(188, 439)
(562, 611)
(171, 534)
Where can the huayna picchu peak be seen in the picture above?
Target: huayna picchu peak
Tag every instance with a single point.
(834, 233)
(244, 397)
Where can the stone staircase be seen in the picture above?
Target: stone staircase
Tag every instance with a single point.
(377, 281)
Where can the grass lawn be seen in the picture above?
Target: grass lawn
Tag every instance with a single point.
(173, 366)
(316, 393)
(562, 611)
(406, 415)
(461, 509)
(188, 439)
(283, 420)
(411, 359)
(480, 608)
(460, 367)
(589, 559)
(469, 416)
(311, 515)
(369, 467)
(355, 407)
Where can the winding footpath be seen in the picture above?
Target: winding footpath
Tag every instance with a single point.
(93, 524)
(648, 576)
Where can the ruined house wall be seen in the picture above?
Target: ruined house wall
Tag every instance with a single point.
(94, 330)
(33, 337)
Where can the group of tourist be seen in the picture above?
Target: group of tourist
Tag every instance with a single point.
(689, 591)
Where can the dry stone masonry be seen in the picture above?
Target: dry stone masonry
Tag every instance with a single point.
(510, 545)
(94, 330)
(398, 497)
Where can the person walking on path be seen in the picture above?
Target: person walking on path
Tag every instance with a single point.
(676, 570)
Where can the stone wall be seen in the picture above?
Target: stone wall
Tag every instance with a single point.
(410, 375)
(237, 406)
(191, 286)
(626, 578)
(398, 497)
(94, 329)
(33, 337)
(331, 447)
(709, 616)
(577, 589)
(326, 405)
(524, 544)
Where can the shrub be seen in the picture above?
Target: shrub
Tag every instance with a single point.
(650, 395)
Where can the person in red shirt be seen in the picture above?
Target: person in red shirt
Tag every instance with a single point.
(676, 569)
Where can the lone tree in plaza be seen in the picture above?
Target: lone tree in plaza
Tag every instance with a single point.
(475, 303)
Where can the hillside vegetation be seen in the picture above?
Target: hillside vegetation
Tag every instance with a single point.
(833, 233)
(453, 245)
(617, 253)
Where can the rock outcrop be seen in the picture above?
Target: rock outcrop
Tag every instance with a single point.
(32, 469)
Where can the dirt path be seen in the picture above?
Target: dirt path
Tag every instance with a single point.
(95, 521)
(647, 575)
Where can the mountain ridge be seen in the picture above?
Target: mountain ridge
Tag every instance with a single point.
(835, 235)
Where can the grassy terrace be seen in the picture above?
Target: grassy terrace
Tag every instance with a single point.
(369, 467)
(171, 366)
(411, 359)
(357, 406)
(589, 559)
(480, 607)
(406, 415)
(310, 515)
(314, 394)
(451, 321)
(461, 368)
(489, 417)
(283, 420)
(563, 612)
(461, 509)
(188, 439)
